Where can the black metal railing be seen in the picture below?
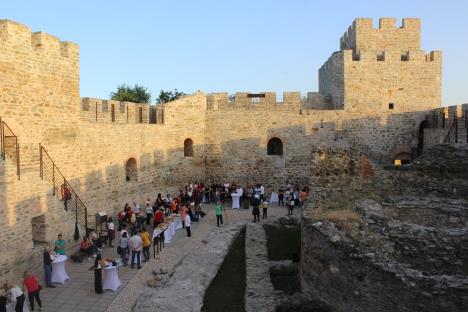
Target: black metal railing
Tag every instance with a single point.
(63, 189)
(9, 145)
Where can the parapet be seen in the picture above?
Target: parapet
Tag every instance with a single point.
(362, 36)
(108, 111)
(411, 56)
(255, 101)
(21, 37)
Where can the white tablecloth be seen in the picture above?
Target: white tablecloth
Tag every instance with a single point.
(274, 197)
(11, 306)
(156, 232)
(170, 231)
(59, 275)
(178, 222)
(111, 278)
(235, 200)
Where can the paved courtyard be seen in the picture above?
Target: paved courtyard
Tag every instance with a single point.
(77, 294)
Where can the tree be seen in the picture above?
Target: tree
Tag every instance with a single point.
(135, 94)
(168, 96)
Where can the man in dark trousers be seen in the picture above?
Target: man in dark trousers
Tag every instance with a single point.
(219, 213)
(256, 209)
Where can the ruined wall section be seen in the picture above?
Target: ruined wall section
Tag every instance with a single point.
(447, 125)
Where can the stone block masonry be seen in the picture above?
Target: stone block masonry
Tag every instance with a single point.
(92, 140)
(259, 292)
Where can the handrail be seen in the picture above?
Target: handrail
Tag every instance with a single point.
(9, 145)
(70, 198)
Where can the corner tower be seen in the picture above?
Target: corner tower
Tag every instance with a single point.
(382, 69)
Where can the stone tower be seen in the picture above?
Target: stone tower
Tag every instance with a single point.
(383, 69)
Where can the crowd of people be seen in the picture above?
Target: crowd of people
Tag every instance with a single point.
(134, 223)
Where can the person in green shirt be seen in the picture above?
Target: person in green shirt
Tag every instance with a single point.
(219, 212)
(60, 245)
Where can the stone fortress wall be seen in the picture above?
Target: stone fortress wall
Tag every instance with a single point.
(91, 140)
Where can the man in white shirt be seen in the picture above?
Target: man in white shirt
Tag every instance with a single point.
(262, 192)
(16, 295)
(136, 244)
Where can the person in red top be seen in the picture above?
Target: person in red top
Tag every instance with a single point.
(86, 246)
(158, 217)
(32, 286)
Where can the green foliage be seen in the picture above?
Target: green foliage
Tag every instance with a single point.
(135, 94)
(168, 96)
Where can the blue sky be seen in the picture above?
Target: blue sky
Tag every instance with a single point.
(231, 46)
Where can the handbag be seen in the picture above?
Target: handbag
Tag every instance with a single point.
(119, 250)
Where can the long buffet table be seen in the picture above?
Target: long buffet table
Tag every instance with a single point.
(164, 232)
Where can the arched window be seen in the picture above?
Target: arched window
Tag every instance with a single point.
(402, 159)
(131, 170)
(188, 148)
(275, 147)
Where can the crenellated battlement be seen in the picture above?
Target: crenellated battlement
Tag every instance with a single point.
(109, 111)
(21, 37)
(392, 56)
(291, 101)
(362, 36)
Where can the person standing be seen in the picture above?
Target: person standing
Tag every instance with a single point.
(256, 209)
(110, 231)
(123, 244)
(48, 267)
(60, 245)
(291, 203)
(280, 197)
(136, 244)
(262, 192)
(3, 302)
(158, 217)
(219, 213)
(146, 240)
(16, 295)
(149, 212)
(188, 224)
(98, 275)
(33, 288)
(264, 208)
(207, 192)
(183, 214)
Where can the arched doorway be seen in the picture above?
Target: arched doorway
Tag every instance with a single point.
(275, 147)
(422, 126)
(188, 148)
(131, 170)
(402, 159)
